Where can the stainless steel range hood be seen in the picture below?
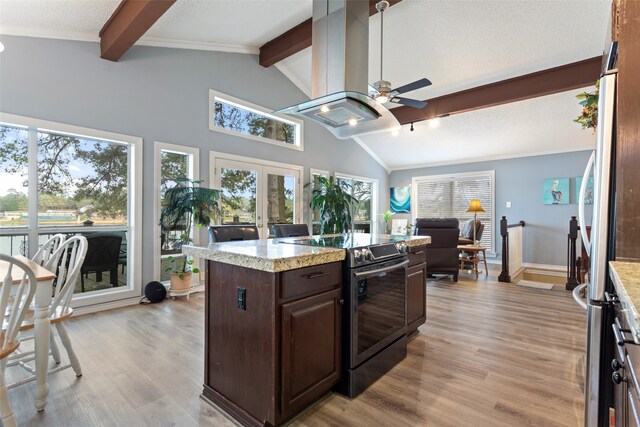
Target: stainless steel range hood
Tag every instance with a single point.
(340, 60)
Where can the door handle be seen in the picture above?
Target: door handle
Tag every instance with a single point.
(581, 202)
(577, 297)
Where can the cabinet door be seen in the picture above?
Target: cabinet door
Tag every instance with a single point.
(416, 296)
(311, 333)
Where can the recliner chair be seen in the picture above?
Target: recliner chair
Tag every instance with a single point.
(466, 234)
(290, 230)
(442, 253)
(232, 233)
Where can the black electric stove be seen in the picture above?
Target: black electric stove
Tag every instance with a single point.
(374, 291)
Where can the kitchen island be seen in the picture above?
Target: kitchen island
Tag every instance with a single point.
(274, 322)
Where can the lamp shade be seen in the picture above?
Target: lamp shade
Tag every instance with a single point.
(475, 206)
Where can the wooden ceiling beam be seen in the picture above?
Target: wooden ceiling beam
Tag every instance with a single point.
(128, 23)
(296, 39)
(546, 82)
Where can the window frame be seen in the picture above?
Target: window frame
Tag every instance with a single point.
(215, 95)
(134, 189)
(374, 196)
(312, 172)
(492, 251)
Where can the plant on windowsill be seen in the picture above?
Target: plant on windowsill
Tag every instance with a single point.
(184, 206)
(335, 204)
(589, 101)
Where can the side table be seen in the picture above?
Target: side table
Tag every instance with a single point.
(474, 257)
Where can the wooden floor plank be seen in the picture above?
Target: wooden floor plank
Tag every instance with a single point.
(490, 354)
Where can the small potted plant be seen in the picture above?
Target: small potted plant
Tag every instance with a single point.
(387, 219)
(589, 101)
(185, 205)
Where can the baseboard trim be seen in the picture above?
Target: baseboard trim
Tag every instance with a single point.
(88, 309)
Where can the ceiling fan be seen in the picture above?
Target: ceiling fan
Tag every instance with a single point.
(381, 90)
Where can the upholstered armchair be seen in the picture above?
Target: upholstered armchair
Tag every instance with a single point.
(466, 234)
(442, 253)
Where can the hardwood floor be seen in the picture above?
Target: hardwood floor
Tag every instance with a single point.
(490, 354)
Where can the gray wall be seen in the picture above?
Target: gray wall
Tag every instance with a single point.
(520, 182)
(162, 94)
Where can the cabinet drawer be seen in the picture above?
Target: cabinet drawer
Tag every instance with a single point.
(417, 254)
(308, 280)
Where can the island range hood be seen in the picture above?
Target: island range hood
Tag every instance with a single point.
(340, 61)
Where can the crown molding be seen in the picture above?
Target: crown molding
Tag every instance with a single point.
(144, 41)
(489, 158)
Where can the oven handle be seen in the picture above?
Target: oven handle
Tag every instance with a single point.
(381, 270)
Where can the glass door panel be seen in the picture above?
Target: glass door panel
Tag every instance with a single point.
(280, 190)
(238, 182)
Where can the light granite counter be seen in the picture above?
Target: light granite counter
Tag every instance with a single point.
(626, 279)
(275, 255)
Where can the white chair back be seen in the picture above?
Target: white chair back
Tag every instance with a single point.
(66, 263)
(15, 298)
(44, 254)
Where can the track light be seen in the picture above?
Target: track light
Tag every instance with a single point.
(411, 128)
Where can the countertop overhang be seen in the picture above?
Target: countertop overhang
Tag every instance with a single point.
(272, 255)
(626, 279)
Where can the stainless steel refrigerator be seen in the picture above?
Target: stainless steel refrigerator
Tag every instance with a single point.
(601, 249)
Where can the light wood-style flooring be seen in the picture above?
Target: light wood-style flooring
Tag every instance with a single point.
(490, 354)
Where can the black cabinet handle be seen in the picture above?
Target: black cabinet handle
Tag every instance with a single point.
(418, 253)
(316, 275)
(617, 378)
(615, 365)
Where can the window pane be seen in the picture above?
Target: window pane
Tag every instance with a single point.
(232, 117)
(280, 200)
(13, 190)
(238, 196)
(13, 179)
(81, 181)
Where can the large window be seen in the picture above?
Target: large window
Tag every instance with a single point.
(56, 178)
(448, 196)
(231, 115)
(365, 191)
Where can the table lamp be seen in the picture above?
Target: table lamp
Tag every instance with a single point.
(475, 206)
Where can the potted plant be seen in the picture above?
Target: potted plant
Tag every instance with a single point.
(387, 219)
(589, 101)
(335, 204)
(185, 205)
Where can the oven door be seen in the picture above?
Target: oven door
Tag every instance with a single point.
(377, 304)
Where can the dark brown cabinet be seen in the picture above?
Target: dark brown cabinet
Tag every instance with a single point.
(416, 289)
(310, 349)
(272, 340)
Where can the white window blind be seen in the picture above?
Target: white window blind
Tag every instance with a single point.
(448, 196)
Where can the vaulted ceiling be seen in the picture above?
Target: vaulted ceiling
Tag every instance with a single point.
(456, 44)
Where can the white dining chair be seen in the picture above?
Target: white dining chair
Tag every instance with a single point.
(66, 263)
(43, 256)
(15, 299)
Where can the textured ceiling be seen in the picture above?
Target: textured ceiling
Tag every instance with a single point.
(456, 44)
(537, 126)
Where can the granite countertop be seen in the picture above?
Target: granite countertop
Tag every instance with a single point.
(626, 279)
(275, 255)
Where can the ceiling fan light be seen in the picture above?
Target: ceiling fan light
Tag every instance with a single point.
(382, 99)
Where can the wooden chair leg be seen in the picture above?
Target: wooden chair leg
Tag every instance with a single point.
(6, 414)
(66, 342)
(113, 275)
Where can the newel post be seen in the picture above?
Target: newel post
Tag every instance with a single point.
(504, 274)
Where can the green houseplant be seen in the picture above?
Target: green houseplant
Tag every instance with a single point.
(335, 204)
(589, 101)
(184, 206)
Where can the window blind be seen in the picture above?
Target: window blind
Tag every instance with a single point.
(449, 196)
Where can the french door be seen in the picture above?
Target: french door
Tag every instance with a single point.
(258, 192)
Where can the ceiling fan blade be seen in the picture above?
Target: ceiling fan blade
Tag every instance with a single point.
(373, 91)
(413, 86)
(409, 102)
